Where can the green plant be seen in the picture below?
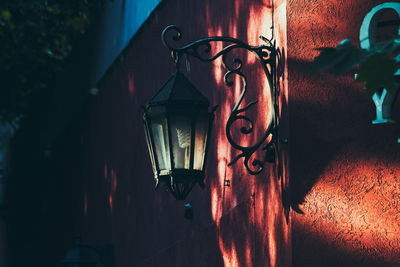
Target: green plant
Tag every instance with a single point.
(377, 67)
(36, 39)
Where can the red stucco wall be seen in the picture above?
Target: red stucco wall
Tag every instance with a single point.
(240, 225)
(345, 170)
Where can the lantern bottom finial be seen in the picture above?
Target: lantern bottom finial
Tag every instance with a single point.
(181, 181)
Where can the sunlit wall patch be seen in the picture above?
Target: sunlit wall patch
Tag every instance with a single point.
(357, 207)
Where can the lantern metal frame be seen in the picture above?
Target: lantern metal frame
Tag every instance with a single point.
(270, 59)
(178, 181)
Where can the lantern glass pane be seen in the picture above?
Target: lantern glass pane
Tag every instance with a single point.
(149, 146)
(160, 137)
(202, 125)
(181, 141)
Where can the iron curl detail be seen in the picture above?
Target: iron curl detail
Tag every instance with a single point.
(268, 57)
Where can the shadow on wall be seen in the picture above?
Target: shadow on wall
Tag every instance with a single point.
(312, 155)
(339, 116)
(331, 254)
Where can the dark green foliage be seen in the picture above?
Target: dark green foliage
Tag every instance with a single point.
(340, 59)
(377, 71)
(36, 38)
(377, 66)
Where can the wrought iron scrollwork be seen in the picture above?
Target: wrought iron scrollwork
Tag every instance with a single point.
(269, 57)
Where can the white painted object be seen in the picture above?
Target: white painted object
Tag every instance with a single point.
(384, 101)
(383, 104)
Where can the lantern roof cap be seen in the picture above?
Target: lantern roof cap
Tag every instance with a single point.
(178, 89)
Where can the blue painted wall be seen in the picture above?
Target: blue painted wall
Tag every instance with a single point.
(118, 23)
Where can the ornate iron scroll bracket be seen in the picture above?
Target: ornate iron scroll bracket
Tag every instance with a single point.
(269, 57)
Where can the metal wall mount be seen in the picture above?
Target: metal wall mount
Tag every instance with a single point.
(270, 59)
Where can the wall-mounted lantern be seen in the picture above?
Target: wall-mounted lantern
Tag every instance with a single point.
(177, 125)
(177, 120)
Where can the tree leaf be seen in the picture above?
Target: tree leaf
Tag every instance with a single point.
(354, 57)
(5, 14)
(389, 47)
(378, 72)
(341, 59)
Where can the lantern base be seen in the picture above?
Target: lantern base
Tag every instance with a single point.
(179, 182)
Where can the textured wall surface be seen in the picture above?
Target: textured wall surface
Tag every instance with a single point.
(240, 225)
(346, 171)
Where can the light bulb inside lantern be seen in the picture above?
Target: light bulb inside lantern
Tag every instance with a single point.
(184, 143)
(181, 141)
